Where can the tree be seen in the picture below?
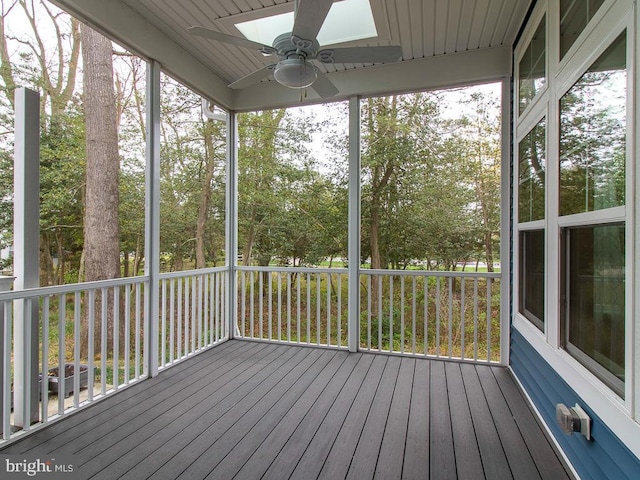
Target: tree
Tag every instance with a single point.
(400, 144)
(101, 225)
(48, 64)
(192, 170)
(479, 134)
(215, 148)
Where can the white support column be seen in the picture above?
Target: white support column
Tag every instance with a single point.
(232, 220)
(505, 224)
(152, 216)
(26, 253)
(354, 224)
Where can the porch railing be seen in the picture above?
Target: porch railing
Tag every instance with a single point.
(193, 312)
(97, 329)
(293, 305)
(453, 315)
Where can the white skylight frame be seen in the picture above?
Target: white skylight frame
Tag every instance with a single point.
(338, 27)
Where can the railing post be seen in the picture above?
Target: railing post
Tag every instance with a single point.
(152, 217)
(26, 253)
(5, 285)
(232, 223)
(354, 224)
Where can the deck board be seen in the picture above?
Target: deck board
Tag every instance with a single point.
(518, 456)
(416, 450)
(336, 464)
(250, 410)
(468, 462)
(494, 460)
(391, 456)
(194, 413)
(313, 436)
(365, 457)
(442, 458)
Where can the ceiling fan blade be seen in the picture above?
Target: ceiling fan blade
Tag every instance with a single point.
(385, 54)
(223, 37)
(310, 16)
(252, 78)
(323, 86)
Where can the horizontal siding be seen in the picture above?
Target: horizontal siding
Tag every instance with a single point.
(605, 456)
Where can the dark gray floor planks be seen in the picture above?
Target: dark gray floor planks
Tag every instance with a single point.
(465, 443)
(252, 410)
(416, 451)
(442, 459)
(314, 435)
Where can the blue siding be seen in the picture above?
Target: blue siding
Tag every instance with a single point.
(605, 456)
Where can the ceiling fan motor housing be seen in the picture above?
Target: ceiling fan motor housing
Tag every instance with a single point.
(294, 71)
(288, 45)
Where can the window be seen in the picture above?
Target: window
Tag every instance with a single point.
(531, 174)
(532, 67)
(592, 135)
(595, 300)
(592, 179)
(574, 16)
(531, 288)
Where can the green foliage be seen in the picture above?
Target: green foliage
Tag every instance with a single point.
(288, 209)
(190, 145)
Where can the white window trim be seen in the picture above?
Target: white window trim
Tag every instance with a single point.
(587, 32)
(526, 124)
(613, 17)
(539, 12)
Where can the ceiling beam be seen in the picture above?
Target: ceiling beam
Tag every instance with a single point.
(119, 22)
(441, 71)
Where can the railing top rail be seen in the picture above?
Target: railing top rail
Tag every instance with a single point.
(292, 269)
(71, 288)
(192, 273)
(431, 273)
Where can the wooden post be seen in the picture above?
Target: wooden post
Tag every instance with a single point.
(232, 223)
(152, 218)
(26, 254)
(354, 224)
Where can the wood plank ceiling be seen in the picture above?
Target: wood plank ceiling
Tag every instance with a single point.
(425, 29)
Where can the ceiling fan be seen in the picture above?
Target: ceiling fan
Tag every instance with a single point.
(296, 50)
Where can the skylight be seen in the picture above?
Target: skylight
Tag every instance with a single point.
(338, 27)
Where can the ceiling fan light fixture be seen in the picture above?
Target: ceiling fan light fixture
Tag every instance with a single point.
(295, 73)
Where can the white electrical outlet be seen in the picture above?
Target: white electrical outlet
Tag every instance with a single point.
(573, 419)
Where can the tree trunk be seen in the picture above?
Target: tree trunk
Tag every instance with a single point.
(46, 262)
(251, 236)
(139, 256)
(60, 269)
(125, 259)
(374, 232)
(101, 226)
(205, 197)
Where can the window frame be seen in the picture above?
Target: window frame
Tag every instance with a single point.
(618, 214)
(613, 17)
(525, 41)
(522, 277)
(604, 375)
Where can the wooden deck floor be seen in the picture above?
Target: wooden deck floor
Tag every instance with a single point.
(248, 410)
